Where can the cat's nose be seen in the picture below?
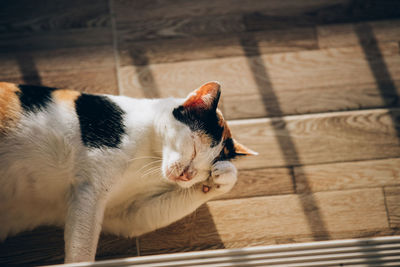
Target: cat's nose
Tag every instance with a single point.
(187, 175)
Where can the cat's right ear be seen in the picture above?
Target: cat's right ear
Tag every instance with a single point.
(204, 98)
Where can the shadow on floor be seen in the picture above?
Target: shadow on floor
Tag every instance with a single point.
(190, 240)
(282, 134)
(29, 72)
(379, 69)
(145, 76)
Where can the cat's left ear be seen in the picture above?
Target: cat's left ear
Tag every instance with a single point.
(204, 98)
(241, 150)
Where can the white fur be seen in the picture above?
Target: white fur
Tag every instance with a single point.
(47, 176)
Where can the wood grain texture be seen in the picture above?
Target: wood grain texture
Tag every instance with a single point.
(265, 15)
(262, 182)
(346, 82)
(217, 46)
(155, 9)
(62, 59)
(281, 219)
(27, 16)
(286, 71)
(45, 245)
(274, 58)
(21, 42)
(337, 35)
(177, 235)
(392, 198)
(320, 138)
(311, 100)
(341, 211)
(347, 175)
(94, 80)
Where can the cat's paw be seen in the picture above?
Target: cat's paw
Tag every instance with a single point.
(223, 177)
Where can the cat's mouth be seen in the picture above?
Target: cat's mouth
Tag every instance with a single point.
(185, 175)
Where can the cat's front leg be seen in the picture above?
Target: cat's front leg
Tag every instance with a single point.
(157, 211)
(83, 222)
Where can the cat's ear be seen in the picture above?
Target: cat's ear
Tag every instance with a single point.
(241, 150)
(204, 98)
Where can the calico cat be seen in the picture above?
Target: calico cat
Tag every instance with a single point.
(94, 163)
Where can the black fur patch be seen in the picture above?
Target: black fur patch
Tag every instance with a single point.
(101, 121)
(34, 98)
(205, 121)
(228, 152)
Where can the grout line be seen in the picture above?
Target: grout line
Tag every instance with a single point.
(386, 207)
(115, 45)
(288, 115)
(137, 246)
(313, 115)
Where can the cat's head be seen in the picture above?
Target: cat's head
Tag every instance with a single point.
(196, 137)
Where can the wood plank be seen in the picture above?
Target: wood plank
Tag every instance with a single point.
(153, 9)
(103, 80)
(274, 219)
(285, 71)
(62, 59)
(392, 200)
(282, 78)
(262, 182)
(217, 46)
(348, 34)
(178, 235)
(197, 21)
(12, 42)
(45, 245)
(28, 16)
(341, 211)
(347, 175)
(339, 12)
(319, 138)
(311, 100)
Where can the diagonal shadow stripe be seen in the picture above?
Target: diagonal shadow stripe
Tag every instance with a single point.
(150, 89)
(145, 76)
(261, 77)
(379, 69)
(28, 69)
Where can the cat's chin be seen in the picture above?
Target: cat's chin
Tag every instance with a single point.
(185, 184)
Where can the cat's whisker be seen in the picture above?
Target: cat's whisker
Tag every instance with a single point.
(151, 171)
(148, 164)
(146, 157)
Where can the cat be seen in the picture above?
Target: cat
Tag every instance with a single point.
(92, 163)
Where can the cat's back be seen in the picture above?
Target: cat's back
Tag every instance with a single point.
(25, 106)
(35, 117)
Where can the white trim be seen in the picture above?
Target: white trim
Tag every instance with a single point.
(380, 251)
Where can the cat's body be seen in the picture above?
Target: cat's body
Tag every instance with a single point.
(112, 163)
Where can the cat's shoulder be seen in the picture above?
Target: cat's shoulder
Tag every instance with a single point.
(100, 117)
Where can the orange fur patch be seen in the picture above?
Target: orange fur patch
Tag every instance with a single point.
(10, 106)
(66, 96)
(197, 99)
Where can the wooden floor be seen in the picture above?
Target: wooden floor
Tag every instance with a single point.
(312, 85)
